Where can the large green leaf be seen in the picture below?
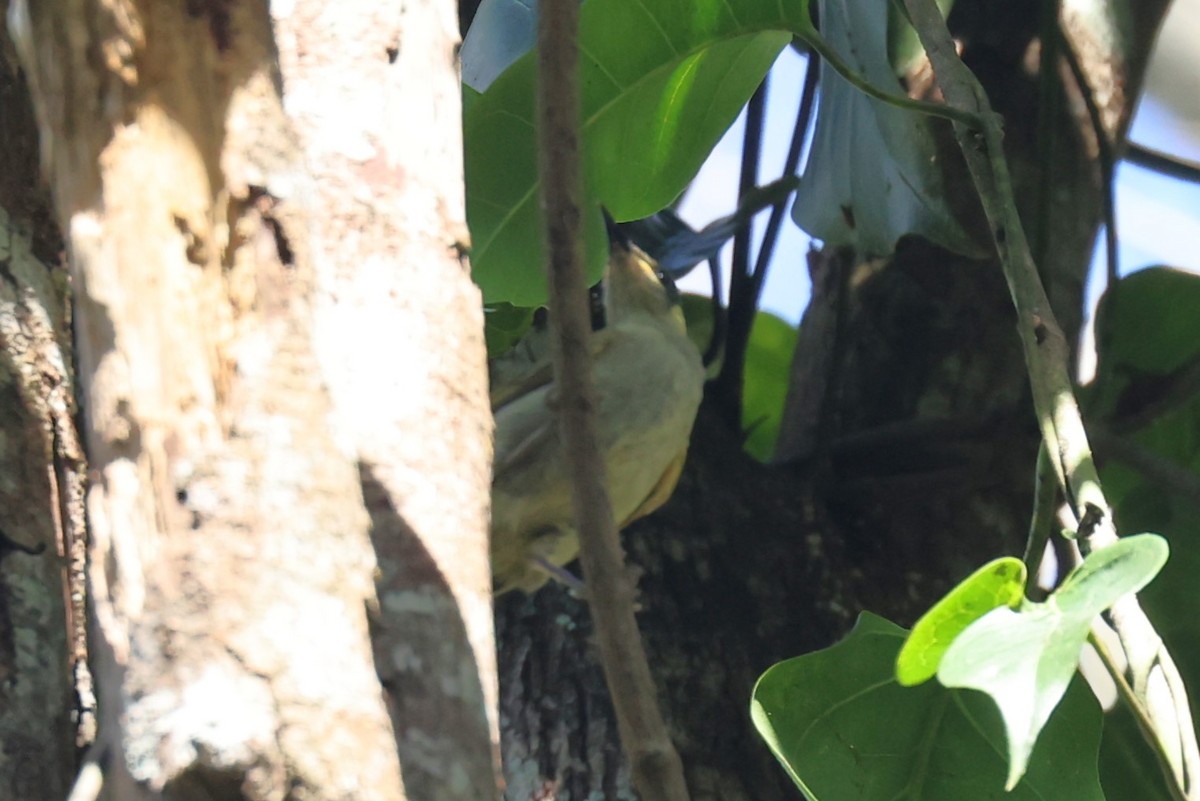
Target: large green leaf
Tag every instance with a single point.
(769, 354)
(843, 728)
(874, 172)
(1025, 659)
(661, 81)
(1145, 394)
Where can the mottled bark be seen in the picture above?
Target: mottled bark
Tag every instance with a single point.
(372, 92)
(46, 700)
(283, 388)
(918, 469)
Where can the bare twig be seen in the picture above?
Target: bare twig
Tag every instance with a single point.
(1156, 685)
(742, 302)
(657, 771)
(1104, 154)
(1169, 165)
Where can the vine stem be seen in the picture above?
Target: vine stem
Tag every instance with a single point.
(657, 771)
(1156, 685)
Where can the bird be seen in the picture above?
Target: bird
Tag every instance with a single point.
(649, 381)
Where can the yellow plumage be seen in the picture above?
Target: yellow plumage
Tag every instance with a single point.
(649, 380)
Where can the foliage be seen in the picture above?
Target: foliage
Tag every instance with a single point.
(999, 583)
(844, 727)
(662, 80)
(1025, 658)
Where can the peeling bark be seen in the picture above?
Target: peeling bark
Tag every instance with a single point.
(246, 498)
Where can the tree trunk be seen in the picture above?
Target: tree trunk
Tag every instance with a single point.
(923, 469)
(281, 373)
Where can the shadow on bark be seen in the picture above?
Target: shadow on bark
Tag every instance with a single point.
(425, 663)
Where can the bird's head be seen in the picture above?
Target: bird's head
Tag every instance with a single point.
(633, 284)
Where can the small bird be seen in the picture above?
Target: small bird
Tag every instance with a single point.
(649, 380)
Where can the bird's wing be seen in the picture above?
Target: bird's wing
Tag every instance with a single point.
(526, 420)
(520, 371)
(660, 492)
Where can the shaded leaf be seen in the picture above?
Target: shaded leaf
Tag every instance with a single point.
(661, 81)
(904, 48)
(503, 326)
(1148, 342)
(873, 171)
(765, 383)
(501, 32)
(843, 728)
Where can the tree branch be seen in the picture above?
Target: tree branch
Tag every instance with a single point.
(655, 765)
(1047, 358)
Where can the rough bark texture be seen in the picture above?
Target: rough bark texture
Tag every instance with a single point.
(46, 703)
(922, 469)
(248, 264)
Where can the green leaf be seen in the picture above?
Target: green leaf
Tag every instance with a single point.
(698, 314)
(1000, 582)
(661, 81)
(768, 364)
(504, 325)
(843, 728)
(868, 189)
(1024, 660)
(769, 354)
(1148, 342)
(1128, 768)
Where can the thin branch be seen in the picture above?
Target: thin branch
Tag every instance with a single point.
(808, 96)
(716, 342)
(1047, 358)
(1104, 152)
(657, 771)
(1171, 166)
(741, 281)
(746, 283)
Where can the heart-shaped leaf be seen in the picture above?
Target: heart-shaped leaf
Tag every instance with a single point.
(1025, 659)
(843, 728)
